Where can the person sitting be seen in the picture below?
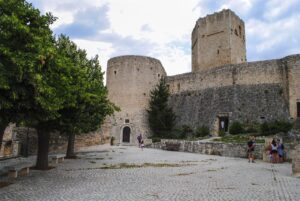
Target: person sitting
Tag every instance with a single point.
(280, 149)
(274, 151)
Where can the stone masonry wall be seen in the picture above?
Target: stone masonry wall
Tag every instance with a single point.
(244, 103)
(291, 76)
(237, 150)
(260, 72)
(57, 143)
(218, 39)
(129, 82)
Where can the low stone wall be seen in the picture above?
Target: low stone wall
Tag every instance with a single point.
(9, 149)
(57, 143)
(237, 150)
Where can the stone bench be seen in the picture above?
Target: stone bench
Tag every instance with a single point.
(57, 158)
(172, 146)
(21, 169)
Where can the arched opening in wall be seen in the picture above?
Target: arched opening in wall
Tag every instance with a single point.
(178, 87)
(126, 134)
(240, 30)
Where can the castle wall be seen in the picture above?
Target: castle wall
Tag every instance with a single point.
(243, 103)
(218, 39)
(261, 72)
(247, 92)
(129, 81)
(292, 78)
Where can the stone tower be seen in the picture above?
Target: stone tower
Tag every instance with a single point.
(217, 40)
(129, 82)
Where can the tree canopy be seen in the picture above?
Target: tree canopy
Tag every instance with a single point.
(45, 83)
(161, 117)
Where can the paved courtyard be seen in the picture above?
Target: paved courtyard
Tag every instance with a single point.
(129, 174)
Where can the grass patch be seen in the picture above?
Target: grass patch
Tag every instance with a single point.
(144, 165)
(237, 139)
(183, 174)
(131, 166)
(90, 158)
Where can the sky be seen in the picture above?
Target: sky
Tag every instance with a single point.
(162, 28)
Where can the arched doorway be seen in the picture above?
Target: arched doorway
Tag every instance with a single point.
(126, 134)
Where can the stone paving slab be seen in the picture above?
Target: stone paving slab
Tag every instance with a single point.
(199, 178)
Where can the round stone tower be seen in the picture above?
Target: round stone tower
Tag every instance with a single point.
(129, 82)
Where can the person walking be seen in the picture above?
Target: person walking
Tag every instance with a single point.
(250, 151)
(140, 138)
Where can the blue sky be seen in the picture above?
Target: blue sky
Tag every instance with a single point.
(162, 28)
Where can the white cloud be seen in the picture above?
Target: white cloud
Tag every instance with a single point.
(242, 6)
(162, 28)
(275, 8)
(278, 36)
(104, 50)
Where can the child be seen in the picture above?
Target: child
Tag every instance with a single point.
(142, 144)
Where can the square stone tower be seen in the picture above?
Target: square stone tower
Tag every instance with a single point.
(217, 40)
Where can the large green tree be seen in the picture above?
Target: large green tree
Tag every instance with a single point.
(161, 117)
(26, 46)
(92, 104)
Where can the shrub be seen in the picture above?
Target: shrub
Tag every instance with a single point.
(275, 127)
(236, 128)
(202, 131)
(156, 140)
(221, 133)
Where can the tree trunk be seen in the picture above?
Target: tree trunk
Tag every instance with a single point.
(71, 146)
(43, 149)
(2, 129)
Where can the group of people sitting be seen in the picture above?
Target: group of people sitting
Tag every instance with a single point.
(275, 151)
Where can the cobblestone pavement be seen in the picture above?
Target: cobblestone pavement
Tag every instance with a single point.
(198, 178)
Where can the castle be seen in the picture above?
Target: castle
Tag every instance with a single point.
(222, 87)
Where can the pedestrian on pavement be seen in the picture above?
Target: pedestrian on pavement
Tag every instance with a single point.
(251, 145)
(139, 138)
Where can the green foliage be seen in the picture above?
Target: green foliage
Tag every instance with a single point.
(274, 127)
(46, 83)
(221, 133)
(90, 105)
(238, 139)
(26, 50)
(202, 131)
(160, 116)
(236, 128)
(156, 140)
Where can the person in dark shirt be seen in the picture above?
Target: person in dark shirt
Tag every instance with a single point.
(251, 145)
